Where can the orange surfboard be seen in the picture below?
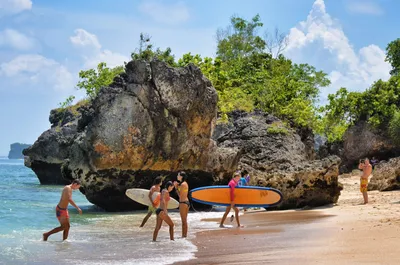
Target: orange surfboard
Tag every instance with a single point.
(245, 196)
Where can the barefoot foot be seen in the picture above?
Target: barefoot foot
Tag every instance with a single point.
(45, 236)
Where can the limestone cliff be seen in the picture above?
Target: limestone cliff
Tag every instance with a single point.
(154, 119)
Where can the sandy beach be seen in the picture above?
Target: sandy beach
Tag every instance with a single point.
(345, 233)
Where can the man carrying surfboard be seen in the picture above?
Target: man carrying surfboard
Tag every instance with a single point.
(152, 208)
(232, 184)
(62, 210)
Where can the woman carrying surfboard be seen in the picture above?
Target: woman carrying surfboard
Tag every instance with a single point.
(162, 212)
(182, 189)
(232, 184)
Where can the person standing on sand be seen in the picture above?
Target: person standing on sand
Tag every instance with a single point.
(182, 188)
(152, 208)
(232, 184)
(366, 167)
(162, 212)
(62, 210)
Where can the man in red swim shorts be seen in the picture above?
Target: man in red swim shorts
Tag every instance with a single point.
(62, 211)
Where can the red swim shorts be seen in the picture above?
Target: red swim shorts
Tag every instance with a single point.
(61, 212)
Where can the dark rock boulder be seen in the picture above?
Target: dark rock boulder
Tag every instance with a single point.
(153, 120)
(386, 176)
(275, 156)
(362, 140)
(47, 154)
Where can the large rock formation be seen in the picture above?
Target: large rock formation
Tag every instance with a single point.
(16, 150)
(362, 140)
(153, 120)
(386, 176)
(276, 157)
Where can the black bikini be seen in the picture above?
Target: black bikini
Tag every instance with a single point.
(186, 202)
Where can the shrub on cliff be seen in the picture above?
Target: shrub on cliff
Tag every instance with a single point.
(94, 79)
(376, 105)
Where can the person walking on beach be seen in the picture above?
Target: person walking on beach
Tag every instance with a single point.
(232, 184)
(182, 188)
(162, 212)
(62, 210)
(366, 167)
(154, 204)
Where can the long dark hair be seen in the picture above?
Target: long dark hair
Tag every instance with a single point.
(184, 176)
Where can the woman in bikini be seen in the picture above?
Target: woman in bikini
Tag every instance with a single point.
(162, 212)
(182, 189)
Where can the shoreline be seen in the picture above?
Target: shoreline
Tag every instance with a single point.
(345, 233)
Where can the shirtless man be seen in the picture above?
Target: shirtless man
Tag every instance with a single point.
(62, 211)
(366, 167)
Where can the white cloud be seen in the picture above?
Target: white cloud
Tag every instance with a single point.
(16, 40)
(364, 7)
(92, 52)
(14, 6)
(36, 70)
(85, 39)
(351, 69)
(163, 13)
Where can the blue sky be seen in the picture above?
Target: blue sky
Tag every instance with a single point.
(44, 43)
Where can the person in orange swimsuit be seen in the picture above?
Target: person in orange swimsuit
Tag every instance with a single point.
(182, 188)
(162, 212)
(62, 211)
(366, 167)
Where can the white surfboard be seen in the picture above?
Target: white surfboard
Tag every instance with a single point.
(142, 196)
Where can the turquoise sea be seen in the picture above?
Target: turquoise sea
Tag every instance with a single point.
(96, 237)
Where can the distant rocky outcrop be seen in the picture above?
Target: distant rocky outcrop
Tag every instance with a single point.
(386, 176)
(16, 150)
(153, 120)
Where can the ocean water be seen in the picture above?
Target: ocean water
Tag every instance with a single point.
(27, 210)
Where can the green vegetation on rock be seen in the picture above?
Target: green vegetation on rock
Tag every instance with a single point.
(278, 128)
(94, 79)
(249, 72)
